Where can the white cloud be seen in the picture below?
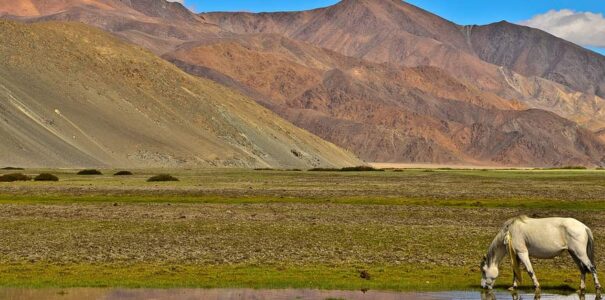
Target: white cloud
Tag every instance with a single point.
(179, 1)
(583, 28)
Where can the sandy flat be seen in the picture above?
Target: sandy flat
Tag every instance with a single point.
(380, 165)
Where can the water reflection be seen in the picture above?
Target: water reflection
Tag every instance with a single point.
(516, 295)
(251, 294)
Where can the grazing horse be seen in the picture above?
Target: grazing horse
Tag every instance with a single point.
(522, 237)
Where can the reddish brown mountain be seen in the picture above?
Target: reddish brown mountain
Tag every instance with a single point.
(382, 78)
(394, 32)
(385, 113)
(375, 30)
(533, 52)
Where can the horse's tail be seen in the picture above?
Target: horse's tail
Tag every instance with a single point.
(514, 259)
(590, 246)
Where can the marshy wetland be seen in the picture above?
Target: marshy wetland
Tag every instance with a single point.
(406, 230)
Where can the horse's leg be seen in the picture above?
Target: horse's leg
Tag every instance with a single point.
(583, 270)
(524, 257)
(593, 270)
(587, 266)
(515, 283)
(597, 284)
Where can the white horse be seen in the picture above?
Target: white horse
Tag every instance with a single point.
(524, 237)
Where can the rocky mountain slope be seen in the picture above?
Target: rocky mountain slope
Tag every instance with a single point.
(385, 113)
(568, 81)
(74, 96)
(382, 78)
(532, 52)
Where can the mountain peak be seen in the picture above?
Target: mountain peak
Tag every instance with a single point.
(370, 1)
(393, 4)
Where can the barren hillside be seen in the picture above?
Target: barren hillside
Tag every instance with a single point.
(75, 96)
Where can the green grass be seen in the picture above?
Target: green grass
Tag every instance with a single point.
(400, 278)
(521, 203)
(280, 229)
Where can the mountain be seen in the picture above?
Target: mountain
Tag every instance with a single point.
(381, 78)
(395, 32)
(157, 25)
(387, 113)
(532, 52)
(382, 31)
(74, 96)
(578, 72)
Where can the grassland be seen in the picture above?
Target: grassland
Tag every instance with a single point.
(409, 230)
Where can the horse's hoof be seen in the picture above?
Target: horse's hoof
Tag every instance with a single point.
(537, 296)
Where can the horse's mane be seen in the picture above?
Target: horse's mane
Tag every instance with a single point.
(511, 221)
(499, 239)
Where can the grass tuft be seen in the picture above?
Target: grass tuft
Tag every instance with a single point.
(123, 173)
(90, 172)
(12, 169)
(46, 177)
(568, 168)
(14, 177)
(348, 169)
(162, 177)
(361, 169)
(324, 170)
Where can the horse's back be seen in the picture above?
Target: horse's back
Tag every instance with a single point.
(552, 221)
(569, 225)
(548, 237)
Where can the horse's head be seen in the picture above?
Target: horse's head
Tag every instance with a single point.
(489, 273)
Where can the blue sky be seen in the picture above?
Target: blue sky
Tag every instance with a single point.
(562, 22)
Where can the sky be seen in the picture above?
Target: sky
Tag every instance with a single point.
(580, 21)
